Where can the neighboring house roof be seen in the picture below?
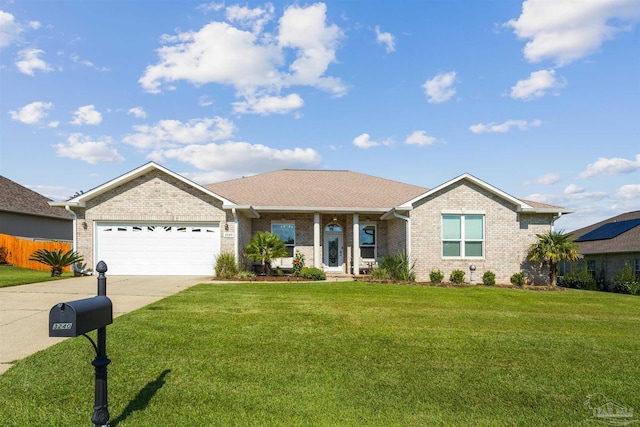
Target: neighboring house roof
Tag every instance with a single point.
(18, 199)
(618, 234)
(81, 199)
(521, 204)
(323, 190)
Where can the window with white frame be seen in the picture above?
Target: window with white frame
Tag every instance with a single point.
(591, 267)
(462, 236)
(368, 241)
(286, 230)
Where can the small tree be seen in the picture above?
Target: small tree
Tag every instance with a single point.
(551, 248)
(265, 247)
(55, 259)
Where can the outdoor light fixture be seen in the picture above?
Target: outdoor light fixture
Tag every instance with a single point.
(226, 227)
(84, 224)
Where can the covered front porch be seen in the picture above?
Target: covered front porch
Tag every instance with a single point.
(334, 242)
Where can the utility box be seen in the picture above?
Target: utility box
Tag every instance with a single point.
(74, 318)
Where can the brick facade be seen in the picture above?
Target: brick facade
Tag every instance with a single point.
(153, 197)
(508, 233)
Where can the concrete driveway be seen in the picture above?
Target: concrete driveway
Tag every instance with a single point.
(24, 310)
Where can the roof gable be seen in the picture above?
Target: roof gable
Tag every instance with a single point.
(521, 205)
(300, 189)
(81, 199)
(19, 199)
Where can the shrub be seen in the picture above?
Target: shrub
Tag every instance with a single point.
(579, 278)
(518, 279)
(489, 278)
(626, 282)
(457, 276)
(226, 266)
(298, 264)
(436, 276)
(56, 259)
(312, 273)
(399, 267)
(4, 255)
(380, 273)
(244, 275)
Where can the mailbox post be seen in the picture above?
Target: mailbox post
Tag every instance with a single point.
(75, 318)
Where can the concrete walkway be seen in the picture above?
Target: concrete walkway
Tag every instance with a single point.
(24, 309)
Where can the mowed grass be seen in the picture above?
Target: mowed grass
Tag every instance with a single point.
(344, 354)
(12, 276)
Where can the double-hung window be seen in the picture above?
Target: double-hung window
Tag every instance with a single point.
(368, 241)
(462, 236)
(287, 233)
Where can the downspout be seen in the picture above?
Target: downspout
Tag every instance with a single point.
(75, 267)
(554, 219)
(408, 232)
(235, 238)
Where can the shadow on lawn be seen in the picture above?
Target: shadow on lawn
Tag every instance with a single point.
(142, 399)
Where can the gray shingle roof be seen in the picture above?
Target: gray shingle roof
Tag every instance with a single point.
(16, 198)
(628, 241)
(316, 188)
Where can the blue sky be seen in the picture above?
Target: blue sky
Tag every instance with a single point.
(539, 98)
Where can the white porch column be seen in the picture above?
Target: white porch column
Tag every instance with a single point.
(355, 250)
(317, 262)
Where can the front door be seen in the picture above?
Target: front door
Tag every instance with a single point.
(333, 251)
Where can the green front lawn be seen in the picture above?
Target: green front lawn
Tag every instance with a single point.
(344, 354)
(11, 276)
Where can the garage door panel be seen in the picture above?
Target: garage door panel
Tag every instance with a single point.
(158, 249)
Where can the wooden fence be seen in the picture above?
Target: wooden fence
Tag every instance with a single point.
(19, 250)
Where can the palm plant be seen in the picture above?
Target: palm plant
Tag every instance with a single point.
(55, 259)
(265, 247)
(551, 248)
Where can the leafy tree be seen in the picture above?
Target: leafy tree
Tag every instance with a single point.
(551, 248)
(265, 247)
(55, 259)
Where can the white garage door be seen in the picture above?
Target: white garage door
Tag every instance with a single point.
(158, 249)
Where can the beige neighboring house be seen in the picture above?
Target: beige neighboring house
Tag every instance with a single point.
(154, 221)
(607, 245)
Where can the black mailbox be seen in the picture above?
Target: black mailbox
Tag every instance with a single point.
(74, 318)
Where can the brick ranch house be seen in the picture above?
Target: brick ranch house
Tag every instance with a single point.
(154, 221)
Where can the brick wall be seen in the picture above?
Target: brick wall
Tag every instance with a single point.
(151, 197)
(508, 233)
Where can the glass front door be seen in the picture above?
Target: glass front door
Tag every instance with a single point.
(333, 251)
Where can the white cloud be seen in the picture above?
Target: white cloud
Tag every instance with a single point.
(567, 30)
(254, 18)
(269, 104)
(504, 127)
(76, 58)
(211, 7)
(386, 39)
(169, 133)
(32, 114)
(537, 85)
(86, 115)
(364, 141)
(205, 101)
(241, 158)
(9, 29)
(629, 192)
(252, 61)
(88, 149)
(614, 166)
(440, 88)
(573, 189)
(546, 179)
(28, 62)
(34, 25)
(420, 137)
(138, 112)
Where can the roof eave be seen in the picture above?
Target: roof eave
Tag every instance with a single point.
(70, 203)
(322, 209)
